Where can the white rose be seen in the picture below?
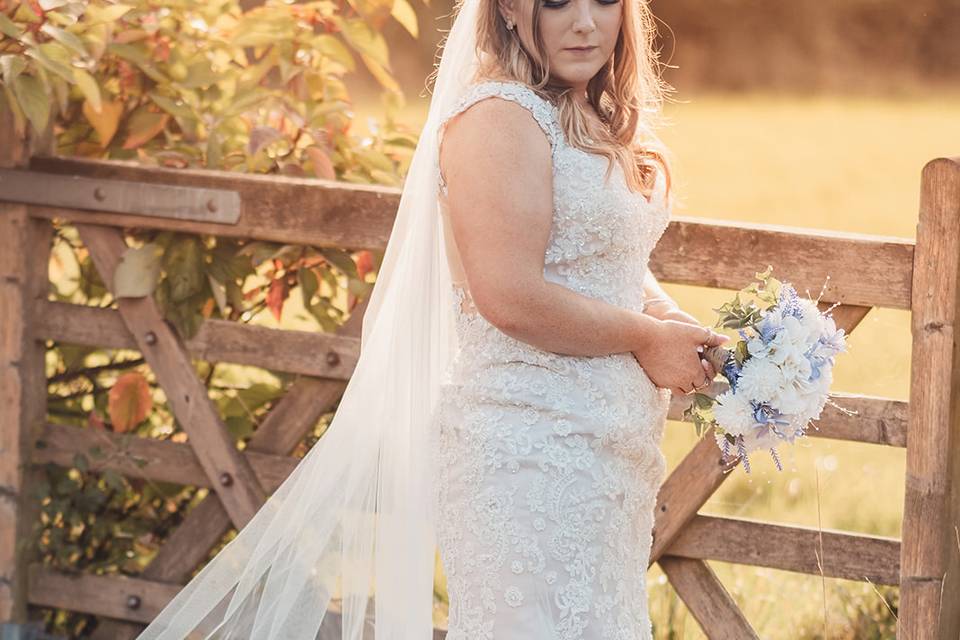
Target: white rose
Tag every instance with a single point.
(760, 380)
(733, 412)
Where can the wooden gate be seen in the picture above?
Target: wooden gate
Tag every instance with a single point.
(865, 271)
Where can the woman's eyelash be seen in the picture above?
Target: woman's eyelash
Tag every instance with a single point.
(557, 5)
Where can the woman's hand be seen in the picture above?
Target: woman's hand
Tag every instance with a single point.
(672, 359)
(668, 310)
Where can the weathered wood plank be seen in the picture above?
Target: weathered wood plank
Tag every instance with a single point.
(309, 353)
(112, 596)
(121, 196)
(930, 552)
(846, 555)
(137, 457)
(711, 605)
(235, 481)
(136, 600)
(864, 270)
(24, 260)
(692, 482)
(205, 524)
(274, 207)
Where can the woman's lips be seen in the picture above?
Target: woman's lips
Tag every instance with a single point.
(580, 50)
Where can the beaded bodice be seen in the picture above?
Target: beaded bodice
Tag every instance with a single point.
(602, 233)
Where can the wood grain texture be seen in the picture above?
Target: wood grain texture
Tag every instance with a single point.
(274, 207)
(138, 457)
(930, 553)
(846, 555)
(305, 352)
(228, 470)
(711, 605)
(111, 596)
(205, 525)
(24, 258)
(864, 270)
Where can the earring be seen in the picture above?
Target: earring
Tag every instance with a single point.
(509, 24)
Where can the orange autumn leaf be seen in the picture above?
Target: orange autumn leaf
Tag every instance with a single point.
(364, 263)
(105, 121)
(129, 401)
(276, 295)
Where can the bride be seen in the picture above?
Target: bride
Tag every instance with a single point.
(517, 362)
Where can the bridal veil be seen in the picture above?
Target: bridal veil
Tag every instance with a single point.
(357, 512)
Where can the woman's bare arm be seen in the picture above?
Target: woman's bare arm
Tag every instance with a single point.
(497, 165)
(657, 302)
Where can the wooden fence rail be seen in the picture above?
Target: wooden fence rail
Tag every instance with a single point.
(865, 272)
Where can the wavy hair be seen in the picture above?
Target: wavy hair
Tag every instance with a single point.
(628, 92)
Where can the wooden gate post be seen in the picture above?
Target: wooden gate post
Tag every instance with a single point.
(930, 549)
(24, 260)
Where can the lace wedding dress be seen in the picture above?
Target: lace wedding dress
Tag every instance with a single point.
(548, 464)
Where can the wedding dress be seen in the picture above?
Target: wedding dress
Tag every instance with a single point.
(548, 465)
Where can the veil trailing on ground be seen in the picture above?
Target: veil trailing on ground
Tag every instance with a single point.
(357, 512)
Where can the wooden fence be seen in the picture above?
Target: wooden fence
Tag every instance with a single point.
(865, 271)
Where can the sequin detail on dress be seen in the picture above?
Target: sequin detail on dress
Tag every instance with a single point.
(548, 465)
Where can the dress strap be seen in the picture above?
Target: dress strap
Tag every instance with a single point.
(542, 110)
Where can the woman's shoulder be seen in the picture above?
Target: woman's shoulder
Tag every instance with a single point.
(513, 91)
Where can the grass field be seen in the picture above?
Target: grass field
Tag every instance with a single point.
(845, 164)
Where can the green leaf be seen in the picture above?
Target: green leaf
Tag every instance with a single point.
(403, 13)
(365, 40)
(67, 39)
(89, 87)
(55, 58)
(143, 126)
(138, 55)
(33, 99)
(10, 102)
(138, 272)
(9, 28)
(200, 74)
(308, 285)
(341, 260)
(96, 14)
(219, 293)
(177, 110)
(334, 49)
(184, 265)
(11, 66)
(258, 30)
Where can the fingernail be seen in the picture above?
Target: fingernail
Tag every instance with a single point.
(700, 349)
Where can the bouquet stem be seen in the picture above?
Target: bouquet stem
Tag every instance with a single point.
(717, 356)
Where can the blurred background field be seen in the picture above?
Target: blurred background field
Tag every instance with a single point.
(801, 132)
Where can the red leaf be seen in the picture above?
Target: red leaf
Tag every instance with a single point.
(276, 296)
(364, 261)
(129, 401)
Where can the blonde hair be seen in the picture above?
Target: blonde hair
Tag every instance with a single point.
(627, 92)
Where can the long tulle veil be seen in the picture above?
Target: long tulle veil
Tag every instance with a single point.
(357, 512)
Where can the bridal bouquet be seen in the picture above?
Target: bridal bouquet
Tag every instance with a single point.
(779, 371)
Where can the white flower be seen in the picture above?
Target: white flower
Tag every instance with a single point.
(760, 380)
(733, 412)
(812, 320)
(795, 365)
